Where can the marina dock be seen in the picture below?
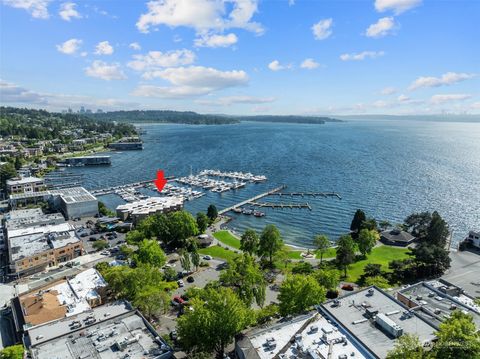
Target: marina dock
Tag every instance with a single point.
(280, 205)
(111, 190)
(306, 194)
(253, 199)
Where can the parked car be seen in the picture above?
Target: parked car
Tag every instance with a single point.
(92, 238)
(84, 234)
(173, 335)
(190, 279)
(181, 283)
(178, 300)
(207, 257)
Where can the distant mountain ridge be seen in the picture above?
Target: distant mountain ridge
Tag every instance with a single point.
(194, 118)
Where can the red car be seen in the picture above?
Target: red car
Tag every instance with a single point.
(178, 300)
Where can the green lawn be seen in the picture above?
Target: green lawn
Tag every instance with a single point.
(380, 255)
(227, 238)
(218, 252)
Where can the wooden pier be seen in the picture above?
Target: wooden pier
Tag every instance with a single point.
(306, 194)
(253, 199)
(280, 205)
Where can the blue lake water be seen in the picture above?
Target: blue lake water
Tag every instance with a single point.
(388, 168)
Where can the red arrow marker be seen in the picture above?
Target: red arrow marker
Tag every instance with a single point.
(160, 182)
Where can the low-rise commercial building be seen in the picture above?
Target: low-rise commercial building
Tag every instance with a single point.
(88, 161)
(305, 336)
(435, 300)
(112, 331)
(375, 319)
(136, 211)
(39, 242)
(127, 144)
(25, 185)
(75, 202)
(61, 299)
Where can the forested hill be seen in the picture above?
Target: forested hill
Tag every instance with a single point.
(184, 117)
(289, 119)
(44, 125)
(194, 118)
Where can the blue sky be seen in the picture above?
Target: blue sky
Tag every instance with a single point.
(242, 56)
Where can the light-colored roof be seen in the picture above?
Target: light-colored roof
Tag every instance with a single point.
(24, 180)
(351, 313)
(74, 194)
(151, 205)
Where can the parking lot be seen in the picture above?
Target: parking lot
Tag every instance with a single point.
(464, 271)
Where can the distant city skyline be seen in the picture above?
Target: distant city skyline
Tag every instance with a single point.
(394, 57)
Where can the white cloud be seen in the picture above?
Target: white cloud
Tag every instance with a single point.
(37, 8)
(446, 79)
(68, 11)
(135, 46)
(381, 28)
(191, 81)
(309, 64)
(216, 40)
(155, 60)
(291, 2)
(361, 56)
(103, 48)
(441, 99)
(475, 106)
(202, 15)
(322, 29)
(14, 94)
(105, 71)
(70, 47)
(403, 98)
(388, 90)
(397, 6)
(230, 100)
(276, 66)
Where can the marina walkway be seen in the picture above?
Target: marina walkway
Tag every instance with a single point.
(253, 199)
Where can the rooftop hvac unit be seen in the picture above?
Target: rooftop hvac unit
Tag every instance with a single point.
(388, 325)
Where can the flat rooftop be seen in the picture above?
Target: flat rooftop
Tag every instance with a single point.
(25, 242)
(435, 305)
(24, 180)
(113, 331)
(23, 218)
(74, 195)
(464, 272)
(312, 334)
(151, 204)
(350, 311)
(62, 299)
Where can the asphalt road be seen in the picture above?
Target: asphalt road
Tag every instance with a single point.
(465, 272)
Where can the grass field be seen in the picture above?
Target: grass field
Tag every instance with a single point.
(380, 255)
(218, 252)
(227, 238)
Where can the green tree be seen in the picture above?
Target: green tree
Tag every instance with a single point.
(265, 314)
(384, 225)
(134, 237)
(212, 212)
(149, 252)
(345, 252)
(104, 210)
(202, 222)
(170, 274)
(18, 163)
(321, 243)
(100, 245)
(457, 337)
(372, 270)
(244, 276)
(7, 171)
(186, 262)
(12, 352)
(152, 300)
(370, 224)
(437, 231)
(298, 293)
(417, 224)
(249, 242)
(195, 257)
(407, 346)
(181, 225)
(328, 278)
(270, 243)
(378, 281)
(217, 315)
(358, 218)
(367, 240)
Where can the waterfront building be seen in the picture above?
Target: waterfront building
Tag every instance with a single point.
(396, 237)
(25, 185)
(136, 211)
(374, 319)
(474, 238)
(64, 298)
(305, 336)
(112, 331)
(88, 161)
(75, 202)
(127, 143)
(33, 245)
